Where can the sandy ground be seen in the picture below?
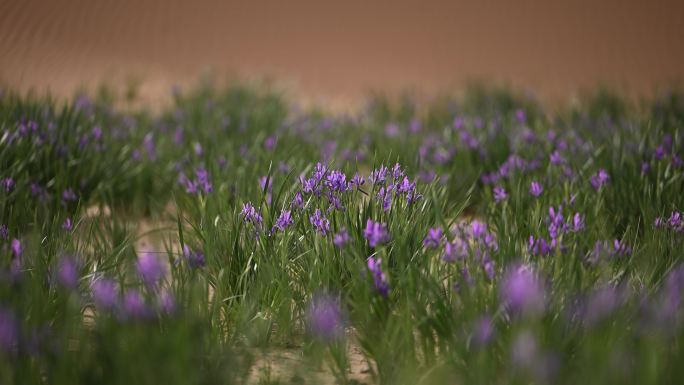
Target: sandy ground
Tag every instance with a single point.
(334, 52)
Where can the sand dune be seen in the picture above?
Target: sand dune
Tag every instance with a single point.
(339, 50)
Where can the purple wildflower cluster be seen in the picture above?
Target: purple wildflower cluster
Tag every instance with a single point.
(557, 226)
(434, 238)
(250, 215)
(674, 223)
(320, 223)
(201, 183)
(471, 243)
(607, 250)
(393, 184)
(284, 221)
(506, 169)
(7, 184)
(194, 259)
(376, 233)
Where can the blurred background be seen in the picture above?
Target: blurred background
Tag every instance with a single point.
(336, 51)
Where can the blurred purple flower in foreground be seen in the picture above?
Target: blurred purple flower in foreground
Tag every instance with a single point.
(483, 332)
(324, 318)
(134, 305)
(9, 331)
(16, 248)
(68, 272)
(105, 293)
(522, 290)
(151, 268)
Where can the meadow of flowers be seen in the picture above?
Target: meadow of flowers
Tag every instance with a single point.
(483, 238)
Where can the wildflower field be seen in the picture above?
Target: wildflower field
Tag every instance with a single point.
(236, 238)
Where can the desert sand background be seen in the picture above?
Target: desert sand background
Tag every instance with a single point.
(336, 51)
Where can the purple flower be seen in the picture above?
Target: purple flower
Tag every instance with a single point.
(195, 259)
(270, 142)
(284, 221)
(324, 318)
(166, 301)
(540, 247)
(556, 158)
(621, 249)
(104, 293)
(134, 305)
(151, 269)
(68, 225)
(433, 239)
(577, 223)
(250, 215)
(16, 248)
(341, 238)
(645, 168)
(500, 194)
(379, 278)
(9, 331)
(392, 130)
(320, 223)
(520, 116)
(675, 220)
(4, 231)
(600, 179)
(536, 189)
(8, 184)
(379, 176)
(203, 180)
(385, 196)
(148, 143)
(483, 332)
(415, 126)
(68, 272)
(600, 304)
(337, 181)
(266, 184)
(456, 250)
(198, 149)
(489, 268)
(376, 233)
(297, 201)
(556, 222)
(69, 195)
(522, 291)
(356, 181)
